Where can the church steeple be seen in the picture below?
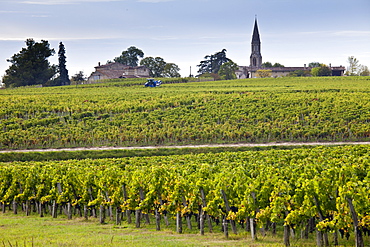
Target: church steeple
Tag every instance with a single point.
(256, 57)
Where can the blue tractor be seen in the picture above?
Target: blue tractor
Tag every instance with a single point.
(152, 83)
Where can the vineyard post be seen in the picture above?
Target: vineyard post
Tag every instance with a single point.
(15, 207)
(128, 212)
(225, 226)
(187, 215)
(201, 221)
(93, 210)
(206, 215)
(286, 235)
(86, 212)
(178, 222)
(165, 214)
(69, 210)
(27, 208)
(358, 234)
(319, 239)
(54, 209)
(252, 221)
(142, 198)
(41, 212)
(253, 229)
(137, 217)
(102, 214)
(118, 215)
(157, 219)
(110, 210)
(323, 235)
(232, 222)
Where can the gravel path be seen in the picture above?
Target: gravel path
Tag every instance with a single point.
(192, 146)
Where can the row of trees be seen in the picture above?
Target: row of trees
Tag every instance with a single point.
(156, 65)
(355, 68)
(31, 66)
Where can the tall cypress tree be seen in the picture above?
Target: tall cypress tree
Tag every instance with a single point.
(63, 78)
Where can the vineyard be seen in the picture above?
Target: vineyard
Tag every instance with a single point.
(123, 113)
(323, 191)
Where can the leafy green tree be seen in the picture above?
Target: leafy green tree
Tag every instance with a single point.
(364, 71)
(299, 73)
(30, 66)
(155, 65)
(323, 70)
(227, 70)
(270, 65)
(354, 66)
(130, 57)
(64, 78)
(278, 65)
(78, 78)
(314, 64)
(171, 70)
(212, 63)
(266, 65)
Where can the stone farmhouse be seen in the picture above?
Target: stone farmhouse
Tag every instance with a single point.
(118, 70)
(256, 62)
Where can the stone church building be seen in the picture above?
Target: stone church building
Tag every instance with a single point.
(256, 62)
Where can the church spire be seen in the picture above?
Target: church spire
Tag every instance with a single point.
(256, 57)
(256, 35)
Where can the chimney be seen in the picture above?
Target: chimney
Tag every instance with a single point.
(98, 63)
(304, 66)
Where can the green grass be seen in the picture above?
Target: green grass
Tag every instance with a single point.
(16, 230)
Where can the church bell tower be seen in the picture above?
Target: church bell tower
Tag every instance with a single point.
(256, 57)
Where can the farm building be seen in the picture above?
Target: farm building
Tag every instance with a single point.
(256, 62)
(118, 70)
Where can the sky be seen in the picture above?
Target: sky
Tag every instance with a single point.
(293, 32)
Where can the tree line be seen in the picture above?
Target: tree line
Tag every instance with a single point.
(31, 66)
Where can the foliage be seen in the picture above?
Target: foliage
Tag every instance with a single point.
(122, 113)
(212, 63)
(171, 70)
(286, 187)
(64, 78)
(364, 71)
(270, 65)
(323, 70)
(30, 66)
(78, 77)
(227, 70)
(214, 76)
(314, 64)
(299, 73)
(354, 66)
(156, 65)
(130, 57)
(264, 73)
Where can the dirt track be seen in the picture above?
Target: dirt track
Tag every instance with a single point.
(194, 146)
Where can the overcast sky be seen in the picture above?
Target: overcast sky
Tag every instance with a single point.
(293, 32)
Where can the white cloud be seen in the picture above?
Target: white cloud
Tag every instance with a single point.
(352, 33)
